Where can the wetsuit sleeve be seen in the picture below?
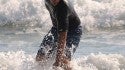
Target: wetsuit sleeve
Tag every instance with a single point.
(62, 18)
(52, 19)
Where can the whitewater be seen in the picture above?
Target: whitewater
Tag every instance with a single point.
(24, 23)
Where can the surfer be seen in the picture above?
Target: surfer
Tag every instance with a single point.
(65, 34)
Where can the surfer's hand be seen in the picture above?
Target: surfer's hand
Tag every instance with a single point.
(64, 64)
(39, 58)
(62, 61)
(56, 64)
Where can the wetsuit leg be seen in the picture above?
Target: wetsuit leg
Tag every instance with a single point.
(73, 39)
(48, 44)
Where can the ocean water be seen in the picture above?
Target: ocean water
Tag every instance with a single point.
(24, 23)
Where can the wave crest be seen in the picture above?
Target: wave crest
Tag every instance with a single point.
(94, 14)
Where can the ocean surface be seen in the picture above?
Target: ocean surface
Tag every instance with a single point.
(24, 23)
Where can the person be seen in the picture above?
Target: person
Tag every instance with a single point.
(65, 34)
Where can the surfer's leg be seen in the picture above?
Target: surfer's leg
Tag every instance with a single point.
(47, 47)
(76, 38)
(73, 40)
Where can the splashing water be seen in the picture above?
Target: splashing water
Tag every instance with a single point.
(24, 22)
(21, 61)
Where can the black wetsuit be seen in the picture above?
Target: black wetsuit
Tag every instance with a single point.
(64, 18)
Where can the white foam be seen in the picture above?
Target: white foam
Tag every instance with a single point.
(100, 62)
(22, 61)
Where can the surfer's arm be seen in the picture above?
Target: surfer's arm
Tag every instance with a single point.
(60, 49)
(62, 18)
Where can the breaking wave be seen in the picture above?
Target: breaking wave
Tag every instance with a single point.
(22, 61)
(94, 14)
